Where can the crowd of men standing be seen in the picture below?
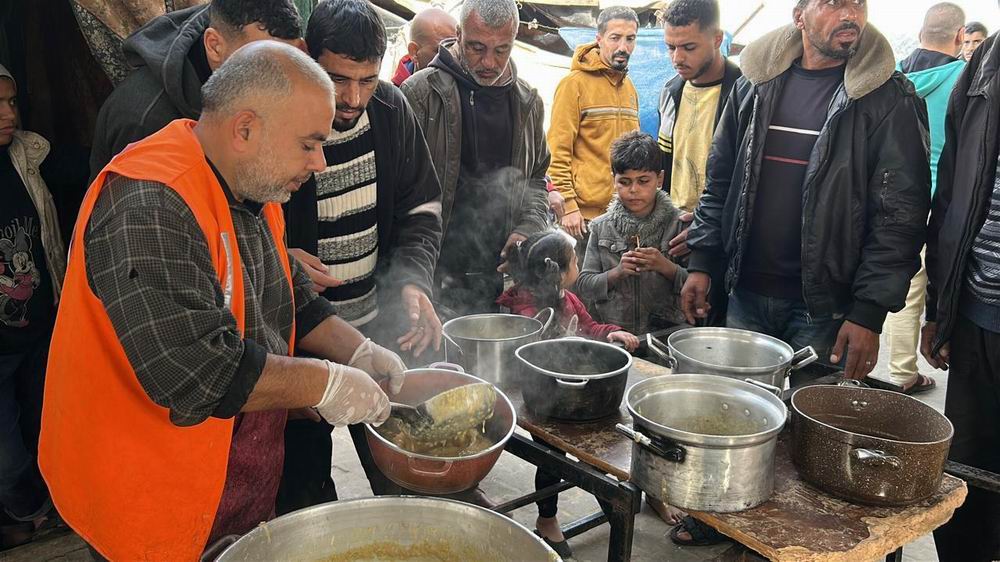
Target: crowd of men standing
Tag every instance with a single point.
(272, 229)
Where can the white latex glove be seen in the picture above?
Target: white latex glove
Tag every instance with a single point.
(379, 362)
(352, 397)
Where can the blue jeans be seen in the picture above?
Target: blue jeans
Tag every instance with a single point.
(23, 495)
(786, 320)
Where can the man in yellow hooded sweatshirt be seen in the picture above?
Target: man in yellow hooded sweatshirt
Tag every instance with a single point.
(594, 105)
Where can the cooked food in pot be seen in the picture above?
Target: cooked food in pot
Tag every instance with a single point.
(462, 444)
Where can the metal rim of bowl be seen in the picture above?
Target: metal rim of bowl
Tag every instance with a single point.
(473, 379)
(352, 504)
(444, 327)
(851, 434)
(570, 376)
(705, 439)
(722, 331)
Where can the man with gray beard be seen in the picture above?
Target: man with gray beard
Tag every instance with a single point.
(484, 129)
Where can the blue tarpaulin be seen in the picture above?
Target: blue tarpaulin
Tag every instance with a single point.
(649, 68)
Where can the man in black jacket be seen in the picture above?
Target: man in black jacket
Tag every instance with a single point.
(817, 189)
(371, 221)
(962, 332)
(173, 55)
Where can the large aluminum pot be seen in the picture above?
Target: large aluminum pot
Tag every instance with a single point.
(573, 378)
(869, 446)
(704, 442)
(387, 528)
(484, 343)
(440, 475)
(728, 352)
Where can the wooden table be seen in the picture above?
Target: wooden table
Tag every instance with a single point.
(799, 523)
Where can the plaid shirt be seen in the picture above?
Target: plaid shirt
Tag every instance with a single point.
(148, 262)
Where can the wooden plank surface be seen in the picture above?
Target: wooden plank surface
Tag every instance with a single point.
(799, 523)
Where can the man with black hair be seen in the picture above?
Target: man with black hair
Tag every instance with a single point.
(691, 105)
(594, 105)
(484, 128)
(818, 187)
(173, 55)
(692, 100)
(975, 34)
(367, 228)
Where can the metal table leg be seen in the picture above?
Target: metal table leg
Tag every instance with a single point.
(620, 501)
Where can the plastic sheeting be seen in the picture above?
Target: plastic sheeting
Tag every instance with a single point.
(649, 68)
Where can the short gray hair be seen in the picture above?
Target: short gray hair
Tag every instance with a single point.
(495, 13)
(261, 69)
(941, 23)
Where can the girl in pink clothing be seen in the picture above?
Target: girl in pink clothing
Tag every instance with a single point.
(544, 267)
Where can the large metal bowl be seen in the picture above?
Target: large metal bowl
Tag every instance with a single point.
(484, 344)
(357, 529)
(441, 475)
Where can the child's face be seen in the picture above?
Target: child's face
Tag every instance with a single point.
(572, 272)
(637, 190)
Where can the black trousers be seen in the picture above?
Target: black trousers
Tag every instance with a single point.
(543, 479)
(306, 479)
(973, 406)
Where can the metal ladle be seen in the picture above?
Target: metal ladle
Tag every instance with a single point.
(448, 413)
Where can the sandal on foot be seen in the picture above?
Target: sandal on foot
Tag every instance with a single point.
(922, 384)
(701, 534)
(562, 547)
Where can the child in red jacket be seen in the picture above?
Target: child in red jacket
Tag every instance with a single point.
(544, 267)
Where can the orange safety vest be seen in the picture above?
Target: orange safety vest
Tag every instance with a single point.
(132, 484)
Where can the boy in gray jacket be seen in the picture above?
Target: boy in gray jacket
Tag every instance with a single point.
(627, 271)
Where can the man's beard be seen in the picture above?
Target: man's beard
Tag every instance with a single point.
(702, 70)
(341, 125)
(468, 70)
(255, 179)
(620, 66)
(827, 49)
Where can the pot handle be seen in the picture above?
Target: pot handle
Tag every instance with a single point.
(768, 387)
(572, 384)
(411, 463)
(655, 346)
(675, 453)
(446, 365)
(552, 314)
(215, 549)
(452, 342)
(874, 457)
(803, 357)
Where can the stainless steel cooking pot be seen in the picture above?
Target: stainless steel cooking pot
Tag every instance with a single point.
(484, 343)
(573, 378)
(704, 442)
(728, 352)
(387, 528)
(440, 475)
(869, 446)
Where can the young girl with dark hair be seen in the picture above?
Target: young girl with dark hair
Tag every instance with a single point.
(544, 267)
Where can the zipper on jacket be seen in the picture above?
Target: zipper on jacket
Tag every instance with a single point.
(807, 191)
(472, 98)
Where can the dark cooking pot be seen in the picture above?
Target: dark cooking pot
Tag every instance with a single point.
(573, 378)
(440, 475)
(869, 446)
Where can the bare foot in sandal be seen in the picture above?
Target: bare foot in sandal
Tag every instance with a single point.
(668, 513)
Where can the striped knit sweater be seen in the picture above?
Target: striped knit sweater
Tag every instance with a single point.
(982, 281)
(348, 227)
